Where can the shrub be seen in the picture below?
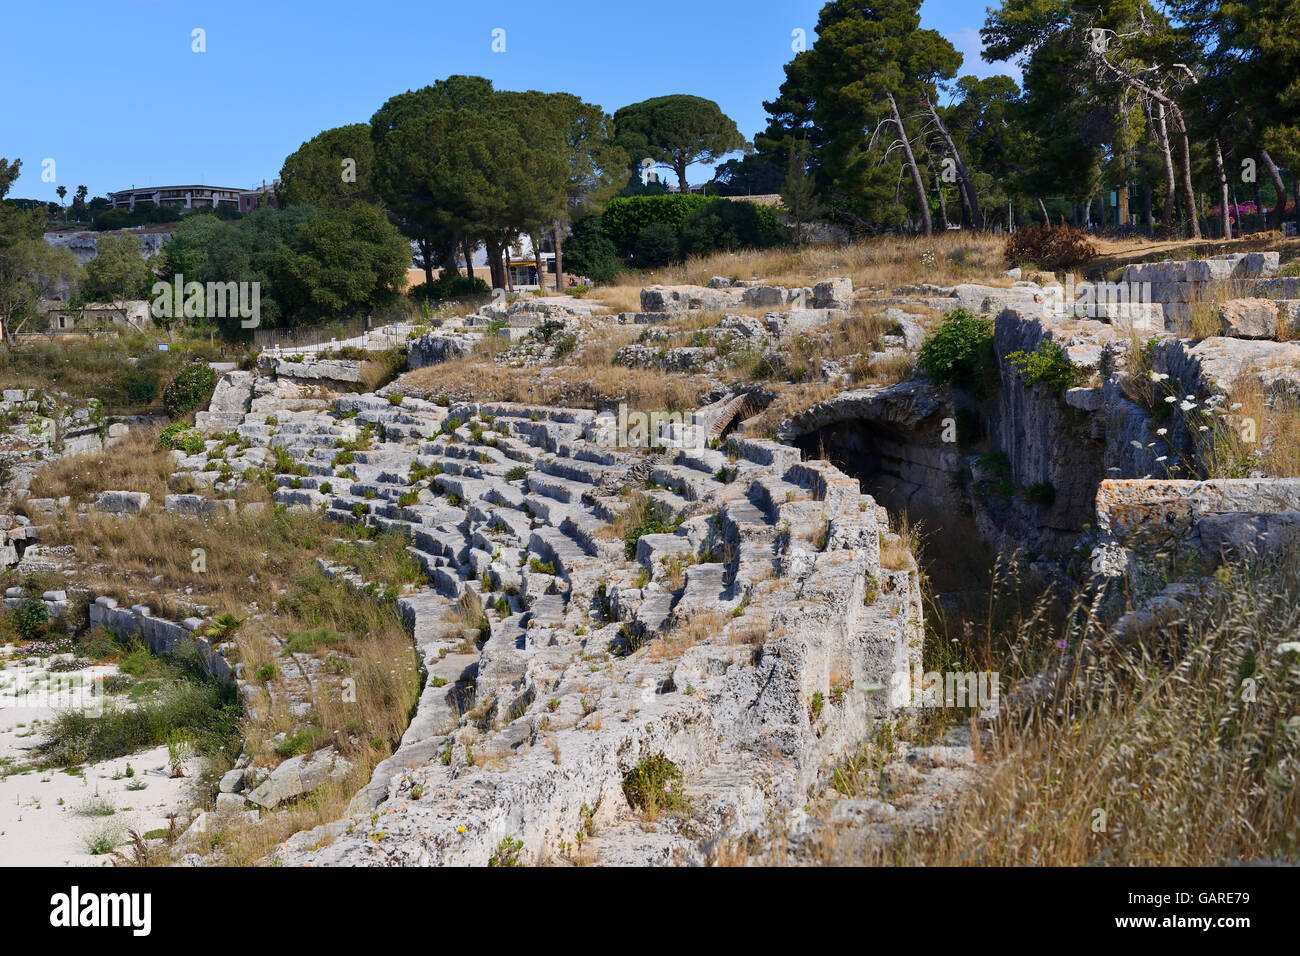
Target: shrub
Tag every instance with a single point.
(625, 217)
(181, 437)
(656, 245)
(728, 226)
(1049, 247)
(517, 473)
(191, 389)
(449, 285)
(1048, 365)
(960, 353)
(30, 619)
(654, 784)
(141, 386)
(507, 853)
(647, 517)
(589, 252)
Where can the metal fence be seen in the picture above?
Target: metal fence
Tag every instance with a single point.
(308, 335)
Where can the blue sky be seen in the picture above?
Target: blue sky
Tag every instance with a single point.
(113, 93)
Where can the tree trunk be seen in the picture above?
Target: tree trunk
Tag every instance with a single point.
(1148, 218)
(1087, 214)
(969, 199)
(536, 239)
(494, 262)
(943, 204)
(1223, 189)
(1279, 188)
(559, 255)
(426, 258)
(679, 165)
(1189, 194)
(467, 250)
(911, 162)
(1043, 209)
(1161, 129)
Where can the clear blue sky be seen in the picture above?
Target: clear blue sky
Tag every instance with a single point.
(113, 93)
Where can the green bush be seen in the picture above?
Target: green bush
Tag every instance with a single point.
(141, 386)
(626, 217)
(450, 285)
(960, 353)
(729, 226)
(654, 784)
(1048, 365)
(656, 246)
(30, 619)
(182, 437)
(589, 252)
(191, 389)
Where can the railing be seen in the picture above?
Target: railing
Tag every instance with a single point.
(308, 335)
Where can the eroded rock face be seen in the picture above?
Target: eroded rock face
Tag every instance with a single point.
(299, 775)
(1249, 318)
(437, 347)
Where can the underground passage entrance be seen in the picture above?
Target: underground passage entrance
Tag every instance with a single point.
(916, 483)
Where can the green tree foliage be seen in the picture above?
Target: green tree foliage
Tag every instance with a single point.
(589, 252)
(332, 170)
(625, 217)
(313, 265)
(656, 245)
(960, 353)
(191, 389)
(847, 97)
(677, 131)
(726, 225)
(30, 268)
(118, 271)
(459, 161)
(752, 175)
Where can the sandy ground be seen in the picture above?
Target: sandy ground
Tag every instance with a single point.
(43, 819)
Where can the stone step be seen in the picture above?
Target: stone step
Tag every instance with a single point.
(683, 481)
(769, 493)
(706, 585)
(576, 470)
(553, 545)
(561, 489)
(704, 460)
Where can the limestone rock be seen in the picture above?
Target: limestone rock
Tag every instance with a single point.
(299, 775)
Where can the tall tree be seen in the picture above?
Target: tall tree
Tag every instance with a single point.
(853, 95)
(595, 163)
(332, 170)
(677, 131)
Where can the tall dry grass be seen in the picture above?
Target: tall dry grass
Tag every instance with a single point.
(1179, 749)
(881, 263)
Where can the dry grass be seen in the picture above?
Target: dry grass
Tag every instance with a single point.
(884, 263)
(1260, 432)
(1205, 313)
(898, 550)
(1151, 755)
(587, 386)
(698, 627)
(136, 463)
(361, 704)
(790, 401)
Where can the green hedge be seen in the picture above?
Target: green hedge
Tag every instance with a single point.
(626, 217)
